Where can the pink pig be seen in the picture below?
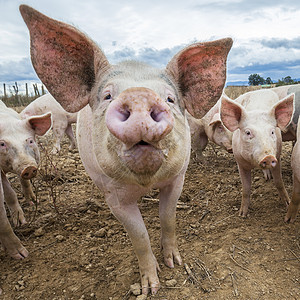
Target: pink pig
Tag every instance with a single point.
(61, 120)
(210, 127)
(19, 154)
(132, 133)
(256, 120)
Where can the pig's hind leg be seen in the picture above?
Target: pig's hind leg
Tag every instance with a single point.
(70, 135)
(12, 202)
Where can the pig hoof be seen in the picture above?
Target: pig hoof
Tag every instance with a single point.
(21, 253)
(243, 214)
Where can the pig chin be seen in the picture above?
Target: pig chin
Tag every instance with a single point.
(143, 158)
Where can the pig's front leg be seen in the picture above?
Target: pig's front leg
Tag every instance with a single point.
(167, 213)
(9, 240)
(245, 175)
(123, 204)
(12, 202)
(27, 190)
(276, 173)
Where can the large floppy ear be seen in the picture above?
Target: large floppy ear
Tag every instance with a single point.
(283, 111)
(231, 113)
(40, 124)
(65, 59)
(200, 72)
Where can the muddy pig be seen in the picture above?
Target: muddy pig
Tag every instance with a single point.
(19, 154)
(209, 127)
(293, 207)
(61, 120)
(256, 119)
(133, 135)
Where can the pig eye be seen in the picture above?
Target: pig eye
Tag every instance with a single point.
(30, 141)
(170, 100)
(273, 132)
(2, 145)
(107, 97)
(248, 132)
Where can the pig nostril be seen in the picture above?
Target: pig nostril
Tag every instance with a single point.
(156, 115)
(124, 114)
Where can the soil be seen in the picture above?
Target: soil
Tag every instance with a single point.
(78, 250)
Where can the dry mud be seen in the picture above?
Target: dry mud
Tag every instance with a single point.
(78, 250)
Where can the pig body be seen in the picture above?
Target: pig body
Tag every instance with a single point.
(256, 120)
(61, 120)
(209, 128)
(133, 135)
(293, 207)
(19, 154)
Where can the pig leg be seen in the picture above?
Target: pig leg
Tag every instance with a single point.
(27, 190)
(8, 239)
(245, 175)
(12, 202)
(70, 135)
(276, 173)
(295, 203)
(123, 204)
(58, 133)
(167, 213)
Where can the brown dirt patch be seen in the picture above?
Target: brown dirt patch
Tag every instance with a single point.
(82, 252)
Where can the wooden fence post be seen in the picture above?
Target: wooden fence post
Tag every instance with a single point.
(4, 88)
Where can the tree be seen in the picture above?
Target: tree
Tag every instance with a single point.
(269, 80)
(255, 79)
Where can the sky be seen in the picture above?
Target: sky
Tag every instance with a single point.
(266, 34)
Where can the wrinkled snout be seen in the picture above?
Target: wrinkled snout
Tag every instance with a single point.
(268, 162)
(29, 172)
(139, 115)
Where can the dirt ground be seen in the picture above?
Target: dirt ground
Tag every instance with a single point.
(78, 250)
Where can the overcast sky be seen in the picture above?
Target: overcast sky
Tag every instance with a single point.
(266, 34)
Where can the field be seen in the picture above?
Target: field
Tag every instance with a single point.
(78, 250)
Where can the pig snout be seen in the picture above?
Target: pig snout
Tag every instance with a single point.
(268, 162)
(29, 172)
(139, 115)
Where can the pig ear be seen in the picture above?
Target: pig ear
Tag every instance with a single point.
(283, 111)
(40, 124)
(215, 119)
(200, 72)
(65, 60)
(231, 113)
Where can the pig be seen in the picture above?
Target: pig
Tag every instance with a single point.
(282, 91)
(294, 205)
(210, 127)
(19, 154)
(256, 119)
(61, 120)
(132, 132)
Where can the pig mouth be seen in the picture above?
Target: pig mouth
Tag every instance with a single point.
(143, 158)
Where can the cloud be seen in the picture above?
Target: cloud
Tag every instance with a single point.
(275, 43)
(17, 70)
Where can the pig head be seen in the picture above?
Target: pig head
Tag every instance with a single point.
(133, 134)
(256, 120)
